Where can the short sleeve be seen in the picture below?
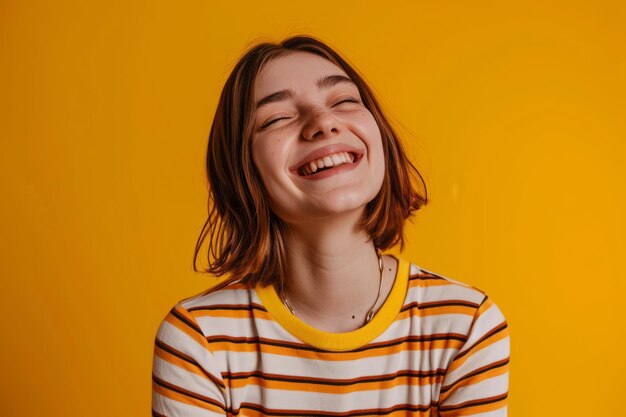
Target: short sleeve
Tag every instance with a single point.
(476, 381)
(186, 380)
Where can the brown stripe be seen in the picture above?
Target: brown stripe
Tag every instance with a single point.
(402, 408)
(478, 371)
(186, 329)
(246, 314)
(429, 283)
(419, 312)
(248, 307)
(301, 346)
(487, 335)
(192, 324)
(187, 393)
(334, 387)
(445, 303)
(424, 277)
(458, 361)
(339, 356)
(474, 403)
(326, 381)
(165, 347)
(486, 375)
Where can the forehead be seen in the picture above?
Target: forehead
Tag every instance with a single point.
(296, 69)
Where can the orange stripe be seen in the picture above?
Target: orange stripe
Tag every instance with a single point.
(233, 314)
(468, 409)
(176, 396)
(176, 361)
(333, 389)
(247, 411)
(336, 356)
(184, 327)
(457, 362)
(491, 373)
(486, 305)
(413, 312)
(436, 311)
(428, 283)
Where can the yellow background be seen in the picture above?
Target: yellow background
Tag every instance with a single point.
(514, 111)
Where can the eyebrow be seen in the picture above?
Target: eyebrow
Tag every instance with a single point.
(323, 83)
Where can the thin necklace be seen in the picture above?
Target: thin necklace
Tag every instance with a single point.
(370, 313)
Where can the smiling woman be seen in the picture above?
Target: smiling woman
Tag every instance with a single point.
(308, 184)
(319, 117)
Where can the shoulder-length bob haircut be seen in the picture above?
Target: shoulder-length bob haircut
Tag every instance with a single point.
(245, 237)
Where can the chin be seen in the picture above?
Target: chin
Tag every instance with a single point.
(341, 205)
(341, 201)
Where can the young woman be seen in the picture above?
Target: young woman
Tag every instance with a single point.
(308, 184)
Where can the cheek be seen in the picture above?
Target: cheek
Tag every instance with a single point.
(262, 168)
(376, 148)
(373, 137)
(259, 161)
(380, 161)
(269, 162)
(370, 128)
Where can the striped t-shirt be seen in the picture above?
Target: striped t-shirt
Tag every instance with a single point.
(436, 347)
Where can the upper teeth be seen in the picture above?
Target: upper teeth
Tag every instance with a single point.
(335, 159)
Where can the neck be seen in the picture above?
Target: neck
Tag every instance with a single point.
(333, 274)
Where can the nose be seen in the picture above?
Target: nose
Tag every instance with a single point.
(322, 124)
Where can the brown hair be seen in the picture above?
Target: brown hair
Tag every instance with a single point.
(245, 236)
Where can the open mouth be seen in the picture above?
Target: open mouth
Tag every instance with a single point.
(328, 162)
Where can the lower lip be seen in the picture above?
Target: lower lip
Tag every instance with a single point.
(332, 171)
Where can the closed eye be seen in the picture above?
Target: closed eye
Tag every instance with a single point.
(269, 122)
(346, 100)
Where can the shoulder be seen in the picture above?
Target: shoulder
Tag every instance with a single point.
(428, 286)
(443, 305)
(434, 294)
(224, 293)
(222, 299)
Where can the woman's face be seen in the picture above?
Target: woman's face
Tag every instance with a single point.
(318, 152)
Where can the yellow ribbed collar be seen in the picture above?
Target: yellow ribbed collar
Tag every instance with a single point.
(340, 341)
